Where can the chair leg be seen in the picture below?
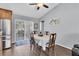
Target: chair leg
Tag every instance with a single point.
(47, 48)
(52, 48)
(30, 46)
(47, 51)
(38, 50)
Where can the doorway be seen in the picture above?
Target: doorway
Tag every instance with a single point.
(23, 29)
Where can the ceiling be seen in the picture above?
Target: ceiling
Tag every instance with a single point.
(27, 10)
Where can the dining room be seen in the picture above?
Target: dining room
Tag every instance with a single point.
(39, 29)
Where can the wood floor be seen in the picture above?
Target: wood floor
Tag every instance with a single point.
(25, 50)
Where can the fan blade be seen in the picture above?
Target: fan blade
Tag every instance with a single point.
(38, 8)
(45, 6)
(33, 4)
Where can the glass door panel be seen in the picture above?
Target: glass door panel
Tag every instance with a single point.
(20, 30)
(23, 30)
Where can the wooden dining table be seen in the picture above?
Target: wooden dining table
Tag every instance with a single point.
(42, 40)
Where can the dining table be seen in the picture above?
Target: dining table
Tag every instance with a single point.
(42, 40)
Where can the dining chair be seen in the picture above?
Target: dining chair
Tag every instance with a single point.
(32, 41)
(46, 33)
(35, 32)
(51, 43)
(33, 44)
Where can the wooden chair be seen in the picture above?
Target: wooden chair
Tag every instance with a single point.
(51, 43)
(46, 33)
(33, 44)
(35, 32)
(32, 41)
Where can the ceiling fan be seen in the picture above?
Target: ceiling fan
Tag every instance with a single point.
(39, 5)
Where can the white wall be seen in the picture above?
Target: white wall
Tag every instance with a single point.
(68, 28)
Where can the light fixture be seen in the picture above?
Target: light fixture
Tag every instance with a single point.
(40, 4)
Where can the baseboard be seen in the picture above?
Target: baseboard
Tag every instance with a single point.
(65, 46)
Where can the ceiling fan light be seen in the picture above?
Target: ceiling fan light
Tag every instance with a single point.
(40, 4)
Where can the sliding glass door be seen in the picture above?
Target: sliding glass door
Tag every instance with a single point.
(20, 27)
(23, 29)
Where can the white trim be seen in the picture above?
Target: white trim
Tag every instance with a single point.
(64, 46)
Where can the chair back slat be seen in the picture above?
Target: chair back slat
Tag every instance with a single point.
(52, 38)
